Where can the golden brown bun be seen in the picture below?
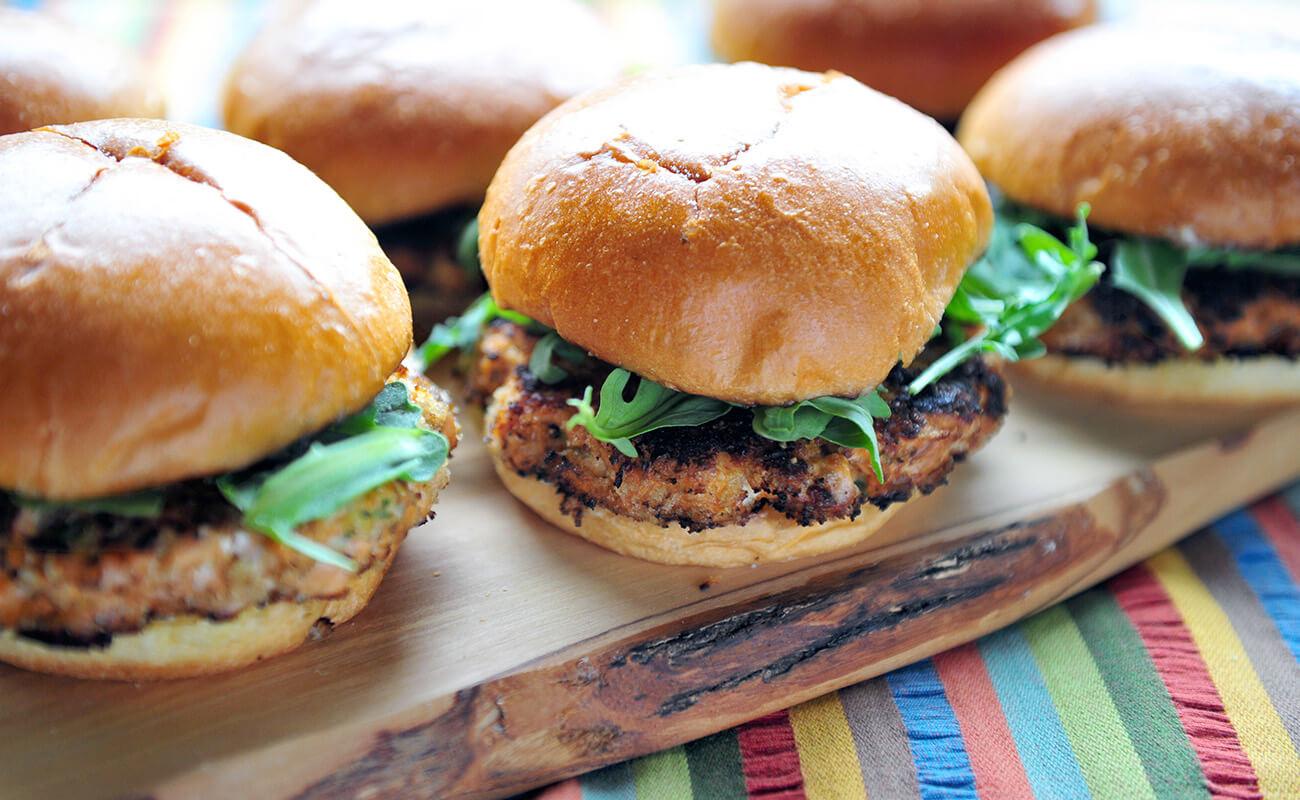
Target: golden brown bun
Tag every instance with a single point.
(405, 108)
(768, 537)
(54, 73)
(177, 302)
(1188, 135)
(754, 234)
(931, 55)
(1257, 382)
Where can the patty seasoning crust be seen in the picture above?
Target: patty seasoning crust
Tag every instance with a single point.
(1240, 312)
(722, 473)
(76, 578)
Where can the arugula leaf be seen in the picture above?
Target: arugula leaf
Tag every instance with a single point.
(849, 423)
(652, 407)
(542, 361)
(1014, 293)
(463, 332)
(391, 408)
(1153, 272)
(329, 476)
(467, 249)
(146, 504)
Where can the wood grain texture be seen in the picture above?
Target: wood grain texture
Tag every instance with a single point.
(696, 669)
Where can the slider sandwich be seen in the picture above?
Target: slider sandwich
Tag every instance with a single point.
(52, 72)
(931, 54)
(407, 108)
(208, 450)
(730, 316)
(1186, 144)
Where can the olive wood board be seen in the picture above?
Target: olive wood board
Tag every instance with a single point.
(500, 654)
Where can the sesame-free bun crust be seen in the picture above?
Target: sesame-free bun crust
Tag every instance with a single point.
(766, 538)
(748, 233)
(55, 73)
(1257, 382)
(177, 302)
(409, 107)
(1188, 135)
(932, 56)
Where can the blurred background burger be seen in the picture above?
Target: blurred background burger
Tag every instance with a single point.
(1186, 145)
(53, 72)
(406, 109)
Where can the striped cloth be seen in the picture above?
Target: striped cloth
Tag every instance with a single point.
(1178, 679)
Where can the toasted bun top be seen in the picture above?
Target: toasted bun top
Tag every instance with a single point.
(754, 234)
(52, 72)
(177, 302)
(1189, 135)
(931, 55)
(406, 108)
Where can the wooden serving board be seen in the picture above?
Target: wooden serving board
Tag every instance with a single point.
(501, 654)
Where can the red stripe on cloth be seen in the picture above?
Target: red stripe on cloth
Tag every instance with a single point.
(989, 743)
(1282, 529)
(1228, 772)
(770, 759)
(568, 790)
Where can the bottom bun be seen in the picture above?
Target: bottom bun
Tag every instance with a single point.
(767, 537)
(1255, 382)
(183, 647)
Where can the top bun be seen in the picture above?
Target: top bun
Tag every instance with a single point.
(754, 234)
(1188, 135)
(177, 302)
(56, 73)
(406, 108)
(932, 56)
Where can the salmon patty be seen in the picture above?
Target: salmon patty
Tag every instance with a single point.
(1240, 313)
(722, 473)
(76, 578)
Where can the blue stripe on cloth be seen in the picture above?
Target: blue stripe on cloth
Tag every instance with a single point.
(1259, 564)
(942, 767)
(1049, 760)
(30, 5)
(614, 782)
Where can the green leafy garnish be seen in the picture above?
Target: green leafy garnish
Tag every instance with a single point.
(652, 407)
(328, 477)
(146, 504)
(467, 249)
(850, 423)
(1153, 272)
(618, 421)
(391, 408)
(463, 332)
(542, 361)
(1014, 293)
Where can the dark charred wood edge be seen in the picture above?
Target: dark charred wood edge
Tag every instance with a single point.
(603, 701)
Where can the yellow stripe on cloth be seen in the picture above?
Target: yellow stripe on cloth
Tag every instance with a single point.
(1258, 726)
(662, 776)
(826, 752)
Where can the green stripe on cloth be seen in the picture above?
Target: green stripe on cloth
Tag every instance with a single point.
(662, 776)
(1109, 763)
(1139, 696)
(714, 763)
